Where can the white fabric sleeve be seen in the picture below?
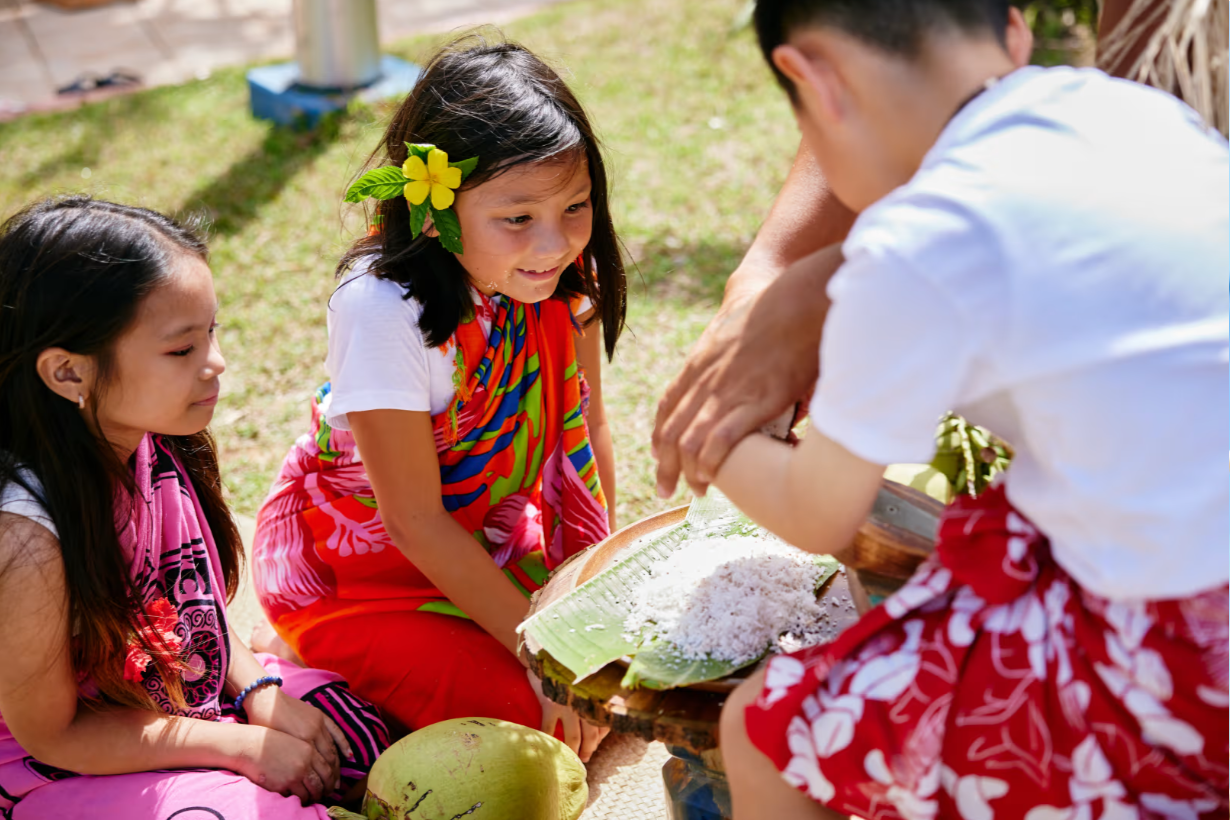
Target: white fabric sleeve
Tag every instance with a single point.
(892, 359)
(17, 500)
(377, 357)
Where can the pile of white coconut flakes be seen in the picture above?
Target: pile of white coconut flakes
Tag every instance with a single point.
(732, 598)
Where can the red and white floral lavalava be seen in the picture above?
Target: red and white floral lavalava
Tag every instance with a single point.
(992, 685)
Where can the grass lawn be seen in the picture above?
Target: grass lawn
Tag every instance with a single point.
(698, 136)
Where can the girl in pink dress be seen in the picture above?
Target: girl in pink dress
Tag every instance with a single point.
(123, 694)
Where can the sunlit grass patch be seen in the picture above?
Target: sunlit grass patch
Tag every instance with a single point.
(698, 137)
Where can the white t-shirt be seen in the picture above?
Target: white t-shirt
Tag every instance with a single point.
(1056, 271)
(378, 359)
(17, 500)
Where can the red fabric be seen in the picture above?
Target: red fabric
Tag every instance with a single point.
(517, 472)
(420, 667)
(993, 686)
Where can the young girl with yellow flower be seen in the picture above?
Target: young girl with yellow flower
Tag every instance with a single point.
(460, 451)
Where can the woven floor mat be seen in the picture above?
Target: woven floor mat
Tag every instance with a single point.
(625, 780)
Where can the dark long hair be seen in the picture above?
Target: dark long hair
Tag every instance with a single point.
(73, 272)
(500, 103)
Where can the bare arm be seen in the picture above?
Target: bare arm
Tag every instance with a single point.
(804, 218)
(400, 456)
(760, 353)
(813, 496)
(272, 708)
(589, 357)
(40, 704)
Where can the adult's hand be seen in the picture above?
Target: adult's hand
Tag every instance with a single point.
(760, 353)
(757, 358)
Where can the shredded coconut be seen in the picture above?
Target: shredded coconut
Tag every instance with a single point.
(731, 598)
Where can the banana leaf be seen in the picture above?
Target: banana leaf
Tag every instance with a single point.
(584, 630)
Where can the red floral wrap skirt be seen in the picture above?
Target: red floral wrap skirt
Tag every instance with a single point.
(992, 685)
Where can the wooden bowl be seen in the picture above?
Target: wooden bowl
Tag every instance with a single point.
(897, 536)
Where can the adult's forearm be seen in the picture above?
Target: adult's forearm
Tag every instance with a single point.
(800, 293)
(804, 218)
(460, 567)
(760, 354)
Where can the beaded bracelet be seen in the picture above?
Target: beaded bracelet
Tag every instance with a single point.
(256, 684)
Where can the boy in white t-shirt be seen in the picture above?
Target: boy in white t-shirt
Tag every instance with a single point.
(1064, 653)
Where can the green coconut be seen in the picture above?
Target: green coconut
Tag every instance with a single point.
(477, 769)
(922, 477)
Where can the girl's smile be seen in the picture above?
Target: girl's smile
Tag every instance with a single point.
(523, 228)
(540, 276)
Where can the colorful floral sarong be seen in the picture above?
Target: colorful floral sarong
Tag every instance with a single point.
(517, 472)
(993, 686)
(173, 560)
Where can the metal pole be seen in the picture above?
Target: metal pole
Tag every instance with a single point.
(336, 43)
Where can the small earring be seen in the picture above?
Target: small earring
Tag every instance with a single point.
(80, 401)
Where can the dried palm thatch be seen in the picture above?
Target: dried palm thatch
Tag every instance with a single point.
(1186, 53)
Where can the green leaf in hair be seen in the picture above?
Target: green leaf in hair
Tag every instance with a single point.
(378, 183)
(418, 216)
(420, 150)
(426, 176)
(449, 227)
(467, 166)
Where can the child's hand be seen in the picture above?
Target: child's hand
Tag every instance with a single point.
(274, 709)
(287, 765)
(580, 736)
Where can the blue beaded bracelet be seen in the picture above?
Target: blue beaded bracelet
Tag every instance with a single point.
(254, 685)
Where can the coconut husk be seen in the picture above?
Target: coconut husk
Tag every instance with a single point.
(1187, 52)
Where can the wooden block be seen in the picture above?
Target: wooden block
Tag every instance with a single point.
(884, 545)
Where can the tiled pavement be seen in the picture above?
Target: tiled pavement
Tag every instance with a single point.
(44, 48)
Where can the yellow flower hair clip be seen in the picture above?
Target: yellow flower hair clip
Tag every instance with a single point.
(427, 180)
